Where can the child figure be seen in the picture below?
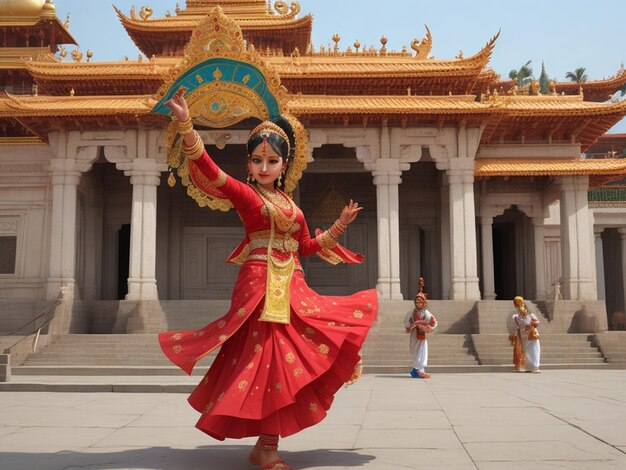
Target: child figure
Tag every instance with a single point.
(418, 323)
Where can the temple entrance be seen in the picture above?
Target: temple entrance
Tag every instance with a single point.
(504, 266)
(513, 263)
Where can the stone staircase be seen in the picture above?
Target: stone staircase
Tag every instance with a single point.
(613, 346)
(575, 350)
(100, 354)
(455, 346)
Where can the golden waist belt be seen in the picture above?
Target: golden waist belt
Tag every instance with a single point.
(287, 245)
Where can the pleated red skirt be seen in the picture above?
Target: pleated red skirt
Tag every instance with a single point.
(271, 378)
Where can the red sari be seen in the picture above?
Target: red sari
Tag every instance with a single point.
(271, 378)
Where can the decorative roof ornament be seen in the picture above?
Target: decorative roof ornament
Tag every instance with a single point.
(287, 11)
(77, 55)
(226, 83)
(383, 41)
(422, 48)
(336, 38)
(145, 13)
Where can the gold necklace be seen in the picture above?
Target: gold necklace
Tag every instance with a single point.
(276, 198)
(283, 222)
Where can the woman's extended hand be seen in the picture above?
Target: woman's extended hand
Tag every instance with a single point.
(349, 212)
(178, 105)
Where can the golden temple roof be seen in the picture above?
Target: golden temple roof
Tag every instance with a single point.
(282, 29)
(592, 90)
(595, 90)
(19, 57)
(187, 22)
(312, 74)
(384, 104)
(25, 10)
(35, 14)
(548, 167)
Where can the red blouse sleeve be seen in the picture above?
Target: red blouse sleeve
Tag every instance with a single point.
(333, 253)
(308, 246)
(240, 194)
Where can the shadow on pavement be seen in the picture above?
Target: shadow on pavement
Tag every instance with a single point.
(219, 457)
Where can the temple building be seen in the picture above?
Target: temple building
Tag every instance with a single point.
(480, 188)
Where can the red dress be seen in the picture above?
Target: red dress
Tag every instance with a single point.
(271, 378)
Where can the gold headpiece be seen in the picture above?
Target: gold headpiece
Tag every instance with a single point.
(266, 128)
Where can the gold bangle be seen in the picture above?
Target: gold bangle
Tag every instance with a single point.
(340, 226)
(193, 151)
(185, 127)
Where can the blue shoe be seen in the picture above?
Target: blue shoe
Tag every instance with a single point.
(415, 374)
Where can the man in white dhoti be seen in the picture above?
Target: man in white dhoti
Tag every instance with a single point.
(418, 322)
(522, 326)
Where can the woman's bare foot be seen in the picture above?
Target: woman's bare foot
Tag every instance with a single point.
(264, 457)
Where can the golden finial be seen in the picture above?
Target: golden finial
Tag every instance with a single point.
(356, 45)
(77, 55)
(177, 9)
(336, 39)
(89, 54)
(72, 92)
(145, 13)
(66, 23)
(383, 41)
(62, 52)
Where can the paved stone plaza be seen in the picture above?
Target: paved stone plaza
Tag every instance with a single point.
(566, 419)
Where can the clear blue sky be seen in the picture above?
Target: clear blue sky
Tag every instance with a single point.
(564, 34)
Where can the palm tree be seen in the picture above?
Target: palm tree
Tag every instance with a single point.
(523, 76)
(578, 75)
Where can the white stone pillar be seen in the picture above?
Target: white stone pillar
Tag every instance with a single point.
(65, 177)
(540, 268)
(576, 244)
(145, 176)
(486, 231)
(599, 249)
(464, 283)
(387, 207)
